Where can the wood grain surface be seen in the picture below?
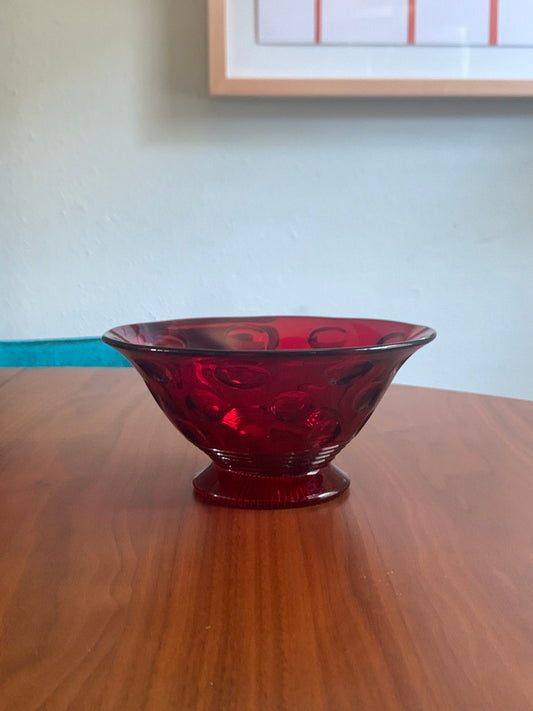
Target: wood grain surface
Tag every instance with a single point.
(7, 373)
(120, 592)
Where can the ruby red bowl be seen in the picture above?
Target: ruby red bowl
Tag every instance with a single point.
(271, 400)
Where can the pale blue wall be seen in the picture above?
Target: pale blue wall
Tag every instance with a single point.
(129, 195)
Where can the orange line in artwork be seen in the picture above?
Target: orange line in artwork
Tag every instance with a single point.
(318, 21)
(493, 29)
(411, 22)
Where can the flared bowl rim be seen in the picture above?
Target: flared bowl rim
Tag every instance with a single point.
(113, 337)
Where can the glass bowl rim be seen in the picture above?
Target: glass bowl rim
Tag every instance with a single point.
(427, 335)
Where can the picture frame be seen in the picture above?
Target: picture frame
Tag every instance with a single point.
(240, 66)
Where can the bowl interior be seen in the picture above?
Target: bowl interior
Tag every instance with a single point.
(276, 333)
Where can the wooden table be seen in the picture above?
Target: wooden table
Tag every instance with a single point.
(120, 592)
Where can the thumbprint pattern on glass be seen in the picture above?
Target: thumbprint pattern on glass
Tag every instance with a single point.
(271, 400)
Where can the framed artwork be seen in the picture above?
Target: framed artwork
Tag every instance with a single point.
(371, 47)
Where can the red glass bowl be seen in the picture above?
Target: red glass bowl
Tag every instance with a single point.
(271, 400)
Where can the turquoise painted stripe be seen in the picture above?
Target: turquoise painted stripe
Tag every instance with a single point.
(59, 352)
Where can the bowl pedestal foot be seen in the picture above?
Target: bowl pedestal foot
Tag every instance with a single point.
(247, 490)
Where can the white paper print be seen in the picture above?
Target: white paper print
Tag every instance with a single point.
(438, 23)
(286, 21)
(515, 23)
(452, 22)
(364, 21)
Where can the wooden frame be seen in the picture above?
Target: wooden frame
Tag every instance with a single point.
(222, 81)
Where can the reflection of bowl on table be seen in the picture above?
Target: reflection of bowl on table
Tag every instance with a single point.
(271, 400)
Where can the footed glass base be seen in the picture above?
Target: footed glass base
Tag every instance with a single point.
(244, 490)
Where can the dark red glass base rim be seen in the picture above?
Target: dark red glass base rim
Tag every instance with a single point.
(224, 487)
